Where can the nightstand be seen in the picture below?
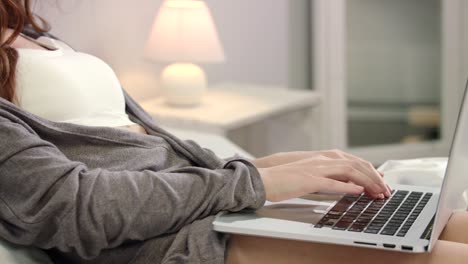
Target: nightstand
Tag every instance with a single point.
(262, 120)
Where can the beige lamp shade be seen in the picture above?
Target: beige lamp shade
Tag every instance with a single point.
(183, 31)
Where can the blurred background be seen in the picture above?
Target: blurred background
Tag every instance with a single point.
(389, 74)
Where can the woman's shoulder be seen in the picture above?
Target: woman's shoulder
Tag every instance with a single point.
(45, 38)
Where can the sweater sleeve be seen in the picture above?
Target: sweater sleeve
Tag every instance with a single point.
(49, 201)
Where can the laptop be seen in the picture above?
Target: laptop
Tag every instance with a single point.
(411, 220)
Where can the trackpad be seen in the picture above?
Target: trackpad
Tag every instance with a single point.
(307, 209)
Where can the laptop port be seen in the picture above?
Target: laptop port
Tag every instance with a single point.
(407, 248)
(365, 243)
(389, 245)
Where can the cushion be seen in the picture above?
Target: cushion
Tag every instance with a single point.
(13, 254)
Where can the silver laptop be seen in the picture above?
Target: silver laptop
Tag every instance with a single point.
(410, 220)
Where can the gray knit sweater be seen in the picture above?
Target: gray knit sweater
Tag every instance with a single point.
(106, 195)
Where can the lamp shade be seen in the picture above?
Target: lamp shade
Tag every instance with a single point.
(183, 31)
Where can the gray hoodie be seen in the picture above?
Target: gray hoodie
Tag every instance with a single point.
(107, 195)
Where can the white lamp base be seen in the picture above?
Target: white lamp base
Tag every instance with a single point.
(183, 84)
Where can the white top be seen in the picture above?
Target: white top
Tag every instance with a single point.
(63, 85)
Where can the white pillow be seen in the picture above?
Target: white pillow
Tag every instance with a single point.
(423, 172)
(13, 254)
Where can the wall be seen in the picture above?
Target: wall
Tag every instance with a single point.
(255, 35)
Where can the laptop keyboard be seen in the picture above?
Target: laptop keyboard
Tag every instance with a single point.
(427, 233)
(360, 213)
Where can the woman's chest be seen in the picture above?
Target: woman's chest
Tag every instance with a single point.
(68, 86)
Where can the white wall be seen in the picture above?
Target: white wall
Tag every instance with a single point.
(255, 35)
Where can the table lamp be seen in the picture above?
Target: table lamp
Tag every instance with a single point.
(183, 34)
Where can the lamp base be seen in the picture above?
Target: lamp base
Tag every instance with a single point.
(183, 84)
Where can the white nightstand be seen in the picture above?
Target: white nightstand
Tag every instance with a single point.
(262, 120)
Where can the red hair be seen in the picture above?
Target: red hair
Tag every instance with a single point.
(15, 15)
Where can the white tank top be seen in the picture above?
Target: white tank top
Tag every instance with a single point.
(63, 85)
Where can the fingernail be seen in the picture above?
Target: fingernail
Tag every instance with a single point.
(381, 196)
(388, 194)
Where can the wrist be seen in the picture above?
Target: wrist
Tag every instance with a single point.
(260, 163)
(264, 175)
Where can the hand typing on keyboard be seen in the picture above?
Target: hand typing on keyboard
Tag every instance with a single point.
(293, 174)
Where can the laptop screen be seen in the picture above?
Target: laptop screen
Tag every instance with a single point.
(455, 181)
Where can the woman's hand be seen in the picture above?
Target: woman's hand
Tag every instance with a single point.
(300, 173)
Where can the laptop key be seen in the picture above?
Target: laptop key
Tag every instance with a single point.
(333, 216)
(401, 234)
(356, 229)
(342, 225)
(372, 231)
(390, 232)
(335, 213)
